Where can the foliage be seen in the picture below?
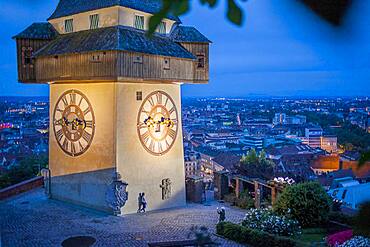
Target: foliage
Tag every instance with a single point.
(339, 238)
(365, 157)
(254, 165)
(306, 202)
(311, 237)
(349, 136)
(252, 237)
(27, 168)
(357, 241)
(244, 201)
(202, 236)
(362, 220)
(341, 218)
(266, 220)
(230, 198)
(180, 7)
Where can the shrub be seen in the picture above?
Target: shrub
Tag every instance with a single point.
(266, 220)
(230, 198)
(357, 241)
(339, 238)
(341, 218)
(362, 220)
(306, 202)
(244, 201)
(252, 237)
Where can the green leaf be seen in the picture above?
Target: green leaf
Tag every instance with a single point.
(365, 157)
(158, 17)
(234, 13)
(180, 7)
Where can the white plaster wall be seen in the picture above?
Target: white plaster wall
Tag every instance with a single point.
(141, 170)
(126, 18)
(84, 179)
(108, 17)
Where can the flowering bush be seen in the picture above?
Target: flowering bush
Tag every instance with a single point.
(338, 238)
(281, 180)
(266, 220)
(357, 241)
(306, 202)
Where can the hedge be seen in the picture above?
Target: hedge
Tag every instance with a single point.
(252, 237)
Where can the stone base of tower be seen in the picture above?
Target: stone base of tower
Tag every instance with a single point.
(86, 189)
(117, 150)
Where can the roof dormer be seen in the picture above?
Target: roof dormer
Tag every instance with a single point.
(79, 15)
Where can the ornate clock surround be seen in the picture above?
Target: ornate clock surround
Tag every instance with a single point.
(75, 128)
(157, 127)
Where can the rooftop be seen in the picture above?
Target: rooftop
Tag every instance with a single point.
(188, 34)
(71, 7)
(117, 38)
(38, 30)
(33, 220)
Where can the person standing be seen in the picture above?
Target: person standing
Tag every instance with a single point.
(143, 202)
(222, 214)
(140, 202)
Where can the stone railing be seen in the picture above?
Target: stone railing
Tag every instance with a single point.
(21, 187)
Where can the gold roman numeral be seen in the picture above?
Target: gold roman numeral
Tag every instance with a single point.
(87, 110)
(80, 146)
(151, 145)
(172, 133)
(159, 98)
(160, 148)
(72, 97)
(86, 136)
(172, 110)
(151, 101)
(65, 101)
(65, 144)
(73, 148)
(145, 137)
(80, 102)
(59, 135)
(88, 124)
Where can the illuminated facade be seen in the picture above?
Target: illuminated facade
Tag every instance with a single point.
(115, 102)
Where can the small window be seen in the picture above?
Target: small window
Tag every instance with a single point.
(27, 56)
(96, 58)
(200, 61)
(139, 22)
(94, 21)
(166, 63)
(162, 27)
(138, 59)
(139, 95)
(68, 25)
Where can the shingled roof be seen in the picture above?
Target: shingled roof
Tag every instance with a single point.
(188, 34)
(71, 7)
(114, 38)
(40, 30)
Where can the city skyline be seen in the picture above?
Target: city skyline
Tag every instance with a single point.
(297, 55)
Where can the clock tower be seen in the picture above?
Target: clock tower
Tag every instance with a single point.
(115, 101)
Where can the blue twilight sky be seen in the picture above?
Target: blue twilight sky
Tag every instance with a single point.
(283, 49)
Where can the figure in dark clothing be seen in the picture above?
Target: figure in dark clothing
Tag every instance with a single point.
(140, 202)
(222, 214)
(143, 202)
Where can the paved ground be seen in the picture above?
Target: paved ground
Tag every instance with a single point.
(31, 219)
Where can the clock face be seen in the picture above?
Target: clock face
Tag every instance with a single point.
(157, 123)
(73, 122)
